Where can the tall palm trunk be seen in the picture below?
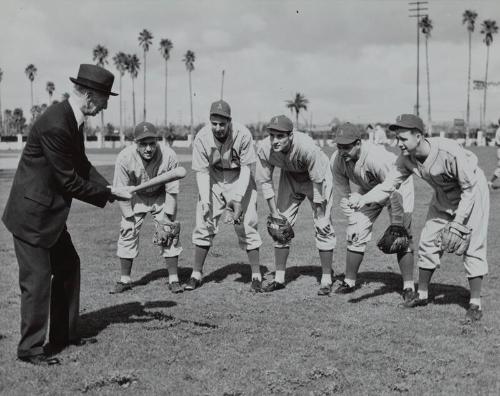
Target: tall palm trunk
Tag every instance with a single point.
(297, 119)
(468, 85)
(166, 78)
(31, 85)
(429, 119)
(133, 101)
(486, 83)
(121, 107)
(191, 107)
(144, 115)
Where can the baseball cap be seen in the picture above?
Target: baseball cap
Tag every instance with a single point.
(348, 133)
(281, 123)
(408, 121)
(220, 108)
(145, 130)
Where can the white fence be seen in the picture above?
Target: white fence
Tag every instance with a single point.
(99, 143)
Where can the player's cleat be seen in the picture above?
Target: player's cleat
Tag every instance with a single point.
(344, 288)
(175, 287)
(41, 360)
(415, 301)
(409, 294)
(474, 313)
(325, 290)
(121, 287)
(273, 286)
(256, 286)
(192, 284)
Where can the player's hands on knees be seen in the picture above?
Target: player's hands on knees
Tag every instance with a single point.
(122, 193)
(205, 210)
(356, 201)
(234, 213)
(322, 226)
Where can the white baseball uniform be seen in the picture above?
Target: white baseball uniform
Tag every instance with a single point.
(460, 194)
(132, 170)
(369, 170)
(223, 161)
(303, 164)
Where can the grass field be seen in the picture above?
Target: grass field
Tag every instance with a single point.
(223, 340)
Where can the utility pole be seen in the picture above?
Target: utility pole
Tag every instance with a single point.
(222, 85)
(416, 12)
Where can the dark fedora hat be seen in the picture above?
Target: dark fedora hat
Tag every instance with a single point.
(95, 77)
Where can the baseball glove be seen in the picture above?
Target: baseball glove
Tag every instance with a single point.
(454, 238)
(394, 240)
(280, 229)
(167, 233)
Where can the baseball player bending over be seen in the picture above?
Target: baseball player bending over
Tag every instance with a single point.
(457, 219)
(137, 164)
(303, 175)
(367, 165)
(223, 153)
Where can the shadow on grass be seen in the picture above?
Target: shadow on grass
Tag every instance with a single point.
(183, 272)
(92, 323)
(441, 294)
(242, 269)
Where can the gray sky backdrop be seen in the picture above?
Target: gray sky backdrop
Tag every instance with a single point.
(355, 60)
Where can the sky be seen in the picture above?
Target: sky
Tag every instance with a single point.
(353, 60)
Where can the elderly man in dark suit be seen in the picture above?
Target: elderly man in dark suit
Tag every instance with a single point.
(53, 170)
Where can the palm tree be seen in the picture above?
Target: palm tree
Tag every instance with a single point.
(1, 120)
(30, 72)
(133, 66)
(469, 18)
(145, 40)
(100, 55)
(165, 48)
(488, 28)
(426, 26)
(120, 61)
(188, 60)
(50, 89)
(296, 104)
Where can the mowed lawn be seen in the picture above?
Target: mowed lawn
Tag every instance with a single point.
(223, 340)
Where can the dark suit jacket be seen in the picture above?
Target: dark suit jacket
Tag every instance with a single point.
(53, 170)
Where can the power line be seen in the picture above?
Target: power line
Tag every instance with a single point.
(416, 12)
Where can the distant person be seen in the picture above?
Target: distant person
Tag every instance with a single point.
(53, 170)
(223, 154)
(457, 219)
(136, 164)
(379, 135)
(496, 173)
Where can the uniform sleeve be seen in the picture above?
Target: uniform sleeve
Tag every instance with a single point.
(395, 177)
(121, 178)
(200, 161)
(247, 149)
(171, 163)
(465, 171)
(340, 180)
(317, 164)
(172, 188)
(264, 173)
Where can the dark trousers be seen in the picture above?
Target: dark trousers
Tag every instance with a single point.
(50, 286)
